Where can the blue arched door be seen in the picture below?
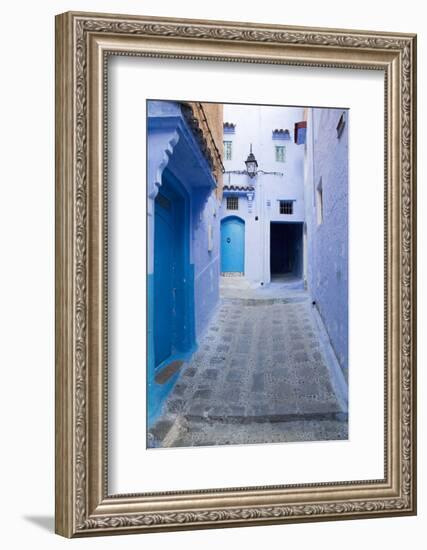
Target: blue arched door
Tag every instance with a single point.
(232, 245)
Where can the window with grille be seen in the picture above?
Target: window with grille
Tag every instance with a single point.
(228, 150)
(286, 207)
(280, 153)
(232, 203)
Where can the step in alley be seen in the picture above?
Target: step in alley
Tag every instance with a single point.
(262, 374)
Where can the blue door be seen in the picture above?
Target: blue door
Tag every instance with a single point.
(163, 278)
(232, 245)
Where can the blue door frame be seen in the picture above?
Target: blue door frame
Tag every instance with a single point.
(164, 275)
(232, 245)
(171, 291)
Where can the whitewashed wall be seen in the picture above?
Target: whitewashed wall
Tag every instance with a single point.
(255, 125)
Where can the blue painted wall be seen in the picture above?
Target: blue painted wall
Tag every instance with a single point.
(327, 266)
(178, 170)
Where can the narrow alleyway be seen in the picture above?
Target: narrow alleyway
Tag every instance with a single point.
(262, 374)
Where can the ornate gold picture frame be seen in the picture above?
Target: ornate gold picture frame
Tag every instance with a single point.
(84, 42)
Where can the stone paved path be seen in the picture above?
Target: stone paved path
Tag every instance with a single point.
(259, 376)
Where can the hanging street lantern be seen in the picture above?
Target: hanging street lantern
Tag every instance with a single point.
(251, 168)
(251, 164)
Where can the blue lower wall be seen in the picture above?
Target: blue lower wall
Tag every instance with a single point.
(157, 393)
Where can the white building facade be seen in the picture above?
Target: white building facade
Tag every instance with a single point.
(262, 217)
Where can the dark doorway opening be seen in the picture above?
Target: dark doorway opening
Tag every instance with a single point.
(286, 249)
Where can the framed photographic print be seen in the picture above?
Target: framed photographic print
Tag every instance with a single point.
(235, 274)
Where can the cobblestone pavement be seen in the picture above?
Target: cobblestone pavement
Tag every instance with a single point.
(259, 376)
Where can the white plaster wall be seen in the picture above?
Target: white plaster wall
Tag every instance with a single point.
(206, 261)
(253, 238)
(254, 125)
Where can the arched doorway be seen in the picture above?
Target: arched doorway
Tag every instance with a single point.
(232, 245)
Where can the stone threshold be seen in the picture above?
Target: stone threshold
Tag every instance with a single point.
(337, 416)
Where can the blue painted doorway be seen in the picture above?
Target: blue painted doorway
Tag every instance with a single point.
(173, 307)
(232, 245)
(163, 277)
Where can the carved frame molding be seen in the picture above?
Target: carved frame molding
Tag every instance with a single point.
(83, 43)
